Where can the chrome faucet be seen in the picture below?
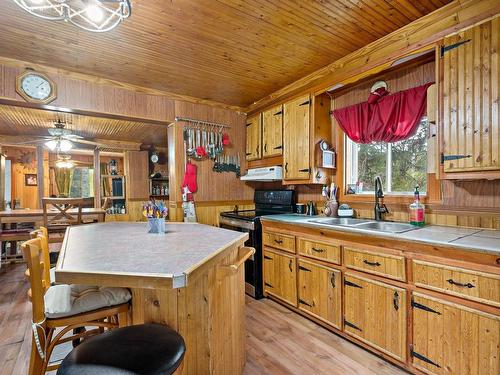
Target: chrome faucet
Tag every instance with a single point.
(380, 207)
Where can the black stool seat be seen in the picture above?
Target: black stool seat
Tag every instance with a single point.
(147, 349)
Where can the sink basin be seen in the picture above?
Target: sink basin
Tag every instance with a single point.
(339, 221)
(384, 226)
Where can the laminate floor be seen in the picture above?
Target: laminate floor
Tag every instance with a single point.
(279, 342)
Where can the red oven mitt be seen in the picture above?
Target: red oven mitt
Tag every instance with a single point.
(189, 180)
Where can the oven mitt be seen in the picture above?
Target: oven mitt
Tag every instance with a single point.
(225, 139)
(201, 152)
(189, 180)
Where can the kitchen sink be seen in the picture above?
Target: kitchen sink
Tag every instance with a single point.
(384, 226)
(345, 221)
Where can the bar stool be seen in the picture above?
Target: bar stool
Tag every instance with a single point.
(147, 349)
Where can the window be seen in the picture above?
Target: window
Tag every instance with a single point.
(401, 165)
(82, 183)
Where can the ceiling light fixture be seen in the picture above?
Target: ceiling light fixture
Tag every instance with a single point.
(59, 145)
(90, 15)
(64, 164)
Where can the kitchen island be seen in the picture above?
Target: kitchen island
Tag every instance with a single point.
(190, 278)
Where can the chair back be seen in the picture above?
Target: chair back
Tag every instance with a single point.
(43, 235)
(68, 212)
(32, 252)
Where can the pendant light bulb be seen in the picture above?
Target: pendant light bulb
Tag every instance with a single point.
(94, 13)
(51, 145)
(65, 145)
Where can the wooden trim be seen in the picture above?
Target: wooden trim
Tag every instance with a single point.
(406, 40)
(265, 162)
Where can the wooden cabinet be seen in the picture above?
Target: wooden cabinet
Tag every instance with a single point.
(452, 339)
(296, 155)
(272, 132)
(319, 250)
(253, 137)
(390, 266)
(280, 276)
(137, 174)
(375, 313)
(280, 241)
(320, 292)
(471, 118)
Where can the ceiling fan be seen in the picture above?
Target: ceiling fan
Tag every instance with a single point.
(61, 139)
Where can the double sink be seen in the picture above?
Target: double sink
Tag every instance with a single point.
(379, 226)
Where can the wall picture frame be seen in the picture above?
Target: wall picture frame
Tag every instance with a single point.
(30, 179)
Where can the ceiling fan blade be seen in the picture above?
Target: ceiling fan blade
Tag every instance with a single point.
(71, 137)
(86, 142)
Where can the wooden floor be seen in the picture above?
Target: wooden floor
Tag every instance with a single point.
(279, 341)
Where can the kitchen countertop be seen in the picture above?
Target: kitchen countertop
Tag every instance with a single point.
(126, 249)
(473, 239)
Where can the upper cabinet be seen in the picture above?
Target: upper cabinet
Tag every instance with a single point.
(470, 76)
(272, 131)
(254, 136)
(296, 158)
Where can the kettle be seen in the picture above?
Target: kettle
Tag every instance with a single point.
(311, 208)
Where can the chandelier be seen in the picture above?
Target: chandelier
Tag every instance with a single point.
(91, 15)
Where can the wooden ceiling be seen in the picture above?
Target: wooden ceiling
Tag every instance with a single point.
(20, 123)
(230, 51)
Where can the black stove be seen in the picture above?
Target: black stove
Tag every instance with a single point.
(267, 202)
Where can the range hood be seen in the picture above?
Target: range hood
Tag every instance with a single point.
(264, 174)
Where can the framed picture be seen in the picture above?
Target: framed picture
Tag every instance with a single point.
(30, 180)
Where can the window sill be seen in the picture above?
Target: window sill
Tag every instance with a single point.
(388, 198)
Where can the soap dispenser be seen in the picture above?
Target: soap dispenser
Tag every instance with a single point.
(417, 210)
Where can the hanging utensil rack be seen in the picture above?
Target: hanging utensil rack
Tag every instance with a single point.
(202, 123)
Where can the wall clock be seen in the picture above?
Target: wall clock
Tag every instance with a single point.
(36, 87)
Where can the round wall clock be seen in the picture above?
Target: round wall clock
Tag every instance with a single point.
(35, 87)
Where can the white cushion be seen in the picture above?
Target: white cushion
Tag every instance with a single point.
(68, 300)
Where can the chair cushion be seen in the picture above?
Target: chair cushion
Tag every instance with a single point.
(147, 349)
(68, 300)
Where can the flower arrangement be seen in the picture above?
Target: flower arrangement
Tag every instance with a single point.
(156, 214)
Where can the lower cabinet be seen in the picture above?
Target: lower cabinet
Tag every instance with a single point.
(280, 276)
(452, 339)
(375, 313)
(320, 292)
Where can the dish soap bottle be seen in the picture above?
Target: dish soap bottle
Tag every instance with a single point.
(417, 210)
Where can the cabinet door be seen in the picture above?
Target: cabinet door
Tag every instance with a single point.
(280, 276)
(296, 157)
(320, 292)
(272, 132)
(471, 134)
(375, 313)
(253, 149)
(453, 339)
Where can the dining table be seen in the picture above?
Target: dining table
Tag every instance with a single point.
(27, 215)
(190, 278)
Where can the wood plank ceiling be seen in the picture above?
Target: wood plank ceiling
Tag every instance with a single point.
(15, 121)
(230, 51)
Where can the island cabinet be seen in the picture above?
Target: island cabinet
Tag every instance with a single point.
(471, 119)
(427, 308)
(254, 137)
(272, 132)
(375, 312)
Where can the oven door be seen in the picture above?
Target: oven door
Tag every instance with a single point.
(253, 266)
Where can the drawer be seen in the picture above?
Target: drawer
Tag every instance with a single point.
(279, 241)
(457, 281)
(319, 250)
(390, 266)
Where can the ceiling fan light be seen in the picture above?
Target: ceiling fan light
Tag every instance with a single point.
(64, 164)
(94, 12)
(65, 145)
(52, 144)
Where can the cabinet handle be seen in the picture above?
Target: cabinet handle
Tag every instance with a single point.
(305, 170)
(395, 301)
(318, 250)
(374, 264)
(278, 113)
(349, 324)
(318, 175)
(249, 124)
(249, 153)
(257, 150)
(417, 305)
(286, 167)
(279, 242)
(267, 257)
(269, 285)
(302, 268)
(301, 301)
(290, 265)
(305, 103)
(278, 147)
(265, 147)
(468, 285)
(423, 358)
(332, 280)
(349, 283)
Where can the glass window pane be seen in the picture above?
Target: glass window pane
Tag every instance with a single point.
(372, 161)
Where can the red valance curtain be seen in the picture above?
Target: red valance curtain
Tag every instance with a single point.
(391, 119)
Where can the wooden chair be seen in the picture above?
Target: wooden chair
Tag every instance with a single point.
(65, 216)
(45, 337)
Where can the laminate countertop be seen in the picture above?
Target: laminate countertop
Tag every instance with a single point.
(126, 250)
(473, 239)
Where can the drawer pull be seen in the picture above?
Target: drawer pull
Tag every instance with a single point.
(423, 358)
(374, 264)
(269, 285)
(267, 257)
(290, 265)
(395, 301)
(417, 305)
(332, 280)
(349, 324)
(305, 303)
(302, 268)
(279, 242)
(468, 285)
(318, 250)
(349, 283)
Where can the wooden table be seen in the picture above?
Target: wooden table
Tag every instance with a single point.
(36, 215)
(191, 278)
